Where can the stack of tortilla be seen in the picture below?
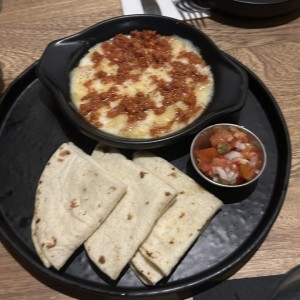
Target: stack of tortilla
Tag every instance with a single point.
(179, 226)
(114, 243)
(142, 212)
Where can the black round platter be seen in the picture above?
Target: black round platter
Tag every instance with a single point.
(32, 128)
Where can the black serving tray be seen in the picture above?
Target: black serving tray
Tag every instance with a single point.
(32, 127)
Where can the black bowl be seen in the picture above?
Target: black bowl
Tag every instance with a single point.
(61, 56)
(252, 9)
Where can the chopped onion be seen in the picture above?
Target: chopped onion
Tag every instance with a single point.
(225, 174)
(240, 146)
(233, 154)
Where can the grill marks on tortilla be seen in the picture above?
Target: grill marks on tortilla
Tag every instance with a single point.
(73, 204)
(62, 154)
(72, 197)
(142, 174)
(51, 244)
(101, 260)
(182, 215)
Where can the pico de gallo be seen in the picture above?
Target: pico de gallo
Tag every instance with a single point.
(232, 157)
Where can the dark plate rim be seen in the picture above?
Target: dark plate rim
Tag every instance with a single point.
(234, 262)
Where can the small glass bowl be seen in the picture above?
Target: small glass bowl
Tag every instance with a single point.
(201, 141)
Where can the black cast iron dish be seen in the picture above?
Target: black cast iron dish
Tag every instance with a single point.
(63, 55)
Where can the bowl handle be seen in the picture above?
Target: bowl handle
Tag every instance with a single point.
(57, 61)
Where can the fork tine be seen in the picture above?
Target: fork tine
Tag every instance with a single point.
(182, 14)
(190, 18)
(189, 13)
(202, 19)
(198, 22)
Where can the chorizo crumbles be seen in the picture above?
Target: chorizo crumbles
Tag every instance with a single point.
(142, 85)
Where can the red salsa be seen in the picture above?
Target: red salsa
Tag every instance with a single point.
(232, 158)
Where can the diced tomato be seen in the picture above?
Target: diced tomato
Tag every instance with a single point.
(220, 136)
(206, 154)
(240, 180)
(220, 162)
(250, 153)
(205, 167)
(241, 136)
(247, 172)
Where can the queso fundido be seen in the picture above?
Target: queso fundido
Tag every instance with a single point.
(143, 85)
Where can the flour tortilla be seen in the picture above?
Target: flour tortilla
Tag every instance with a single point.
(148, 273)
(114, 243)
(179, 226)
(73, 197)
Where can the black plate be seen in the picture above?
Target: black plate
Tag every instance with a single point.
(251, 8)
(32, 128)
(62, 56)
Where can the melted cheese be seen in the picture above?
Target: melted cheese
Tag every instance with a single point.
(84, 79)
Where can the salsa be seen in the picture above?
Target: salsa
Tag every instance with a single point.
(232, 158)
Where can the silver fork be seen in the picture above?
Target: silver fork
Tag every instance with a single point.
(191, 12)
